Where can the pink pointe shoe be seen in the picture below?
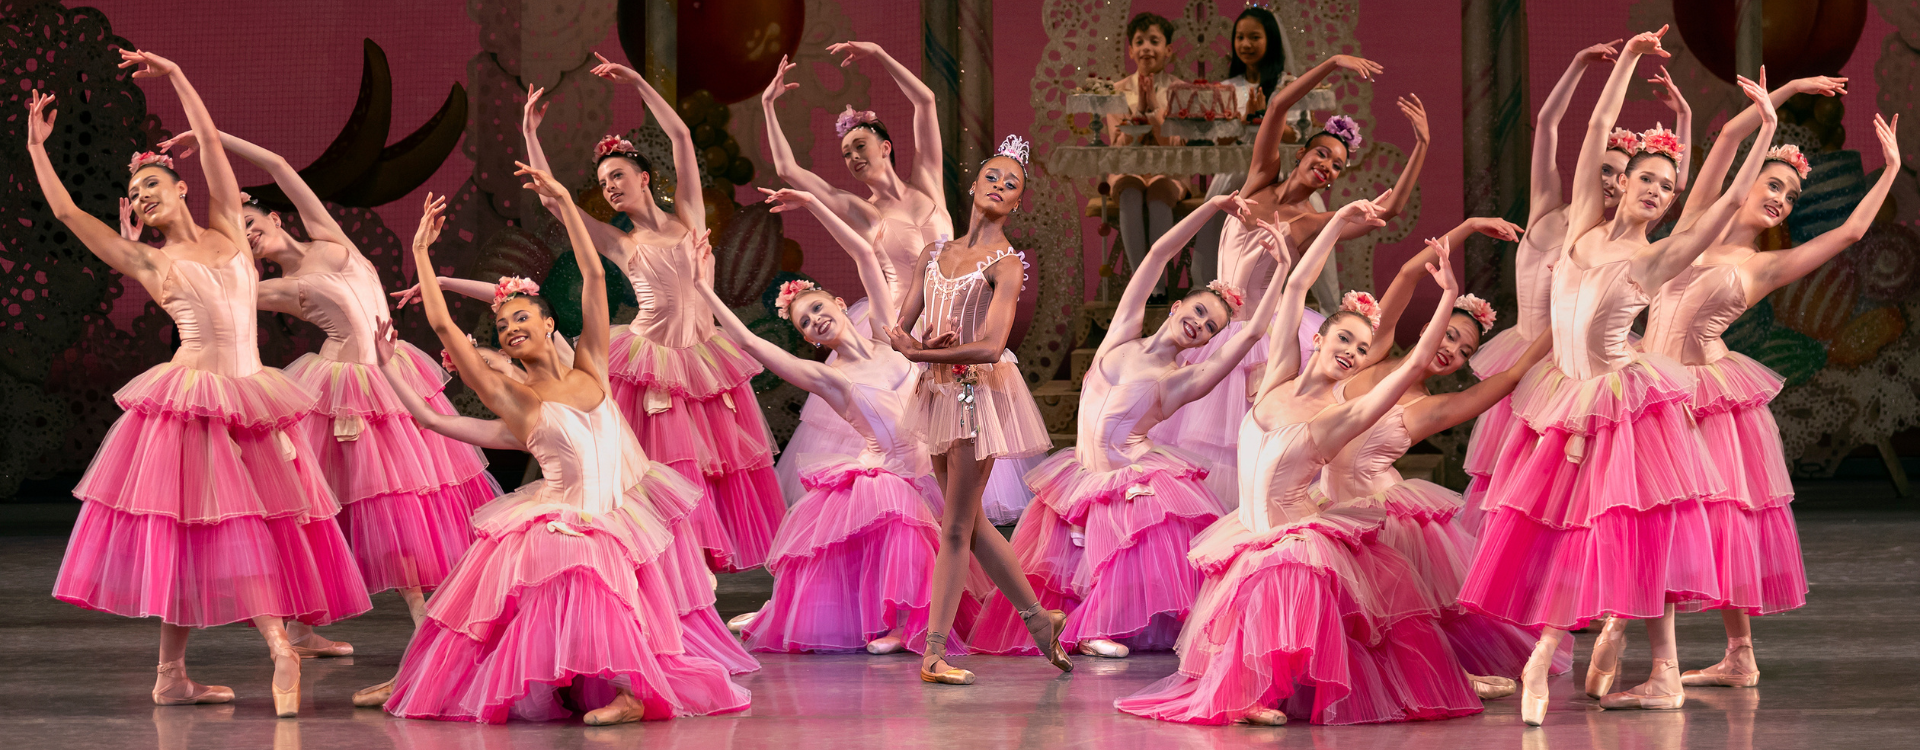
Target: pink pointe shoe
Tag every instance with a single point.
(286, 675)
(1732, 671)
(1661, 693)
(1491, 687)
(1104, 648)
(624, 709)
(1603, 665)
(1533, 685)
(1266, 717)
(172, 688)
(311, 645)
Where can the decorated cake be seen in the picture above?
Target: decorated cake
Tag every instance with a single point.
(1200, 100)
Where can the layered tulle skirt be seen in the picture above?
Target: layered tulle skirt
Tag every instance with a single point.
(1109, 548)
(549, 597)
(1598, 501)
(987, 404)
(406, 493)
(1492, 426)
(205, 506)
(1310, 619)
(693, 409)
(1756, 547)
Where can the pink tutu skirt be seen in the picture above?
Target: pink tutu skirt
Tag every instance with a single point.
(1310, 619)
(1209, 427)
(853, 561)
(1598, 501)
(532, 609)
(1756, 547)
(1127, 579)
(201, 510)
(693, 409)
(406, 492)
(996, 411)
(1492, 426)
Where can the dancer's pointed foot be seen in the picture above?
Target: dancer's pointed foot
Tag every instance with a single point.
(886, 644)
(1603, 665)
(1104, 648)
(1533, 684)
(172, 688)
(741, 622)
(1490, 687)
(1266, 717)
(312, 645)
(1738, 669)
(1045, 626)
(934, 667)
(623, 709)
(1660, 692)
(286, 675)
(373, 697)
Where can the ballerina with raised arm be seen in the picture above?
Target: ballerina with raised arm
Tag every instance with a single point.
(572, 559)
(1288, 585)
(1106, 538)
(1627, 526)
(199, 508)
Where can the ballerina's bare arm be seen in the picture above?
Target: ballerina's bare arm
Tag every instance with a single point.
(1186, 384)
(927, 149)
(1131, 311)
(1656, 264)
(223, 189)
(589, 353)
(817, 378)
(516, 404)
(1778, 268)
(1442, 411)
(686, 158)
(1338, 424)
(313, 212)
(1589, 203)
(1399, 292)
(916, 302)
(486, 433)
(1546, 185)
(1394, 201)
(1713, 170)
(1006, 275)
(606, 237)
(1266, 143)
(1669, 94)
(133, 259)
(866, 260)
(281, 295)
(780, 152)
(1283, 348)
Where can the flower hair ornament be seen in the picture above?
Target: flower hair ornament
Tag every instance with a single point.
(1228, 293)
(1662, 141)
(1345, 129)
(1364, 304)
(513, 286)
(614, 144)
(791, 290)
(852, 118)
(1790, 155)
(1480, 310)
(147, 158)
(1624, 140)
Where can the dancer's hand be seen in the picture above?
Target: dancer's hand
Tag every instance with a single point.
(616, 72)
(1275, 238)
(901, 341)
(779, 84)
(1232, 205)
(383, 340)
(1818, 86)
(1888, 131)
(1360, 66)
(534, 110)
(1648, 43)
(1600, 54)
(1416, 113)
(1757, 91)
(541, 181)
(854, 51)
(406, 296)
(151, 65)
(186, 141)
(432, 218)
(1668, 93)
(39, 118)
(130, 226)
(1442, 267)
(1497, 228)
(788, 199)
(1365, 211)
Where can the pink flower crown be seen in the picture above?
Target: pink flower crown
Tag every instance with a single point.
(1662, 141)
(1623, 139)
(852, 118)
(1480, 310)
(146, 158)
(1364, 304)
(513, 286)
(1228, 293)
(613, 144)
(1791, 156)
(791, 290)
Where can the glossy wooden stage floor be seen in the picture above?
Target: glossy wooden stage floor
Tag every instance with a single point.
(1839, 673)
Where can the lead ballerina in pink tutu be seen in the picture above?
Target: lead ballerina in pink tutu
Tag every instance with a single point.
(1597, 504)
(200, 509)
(562, 587)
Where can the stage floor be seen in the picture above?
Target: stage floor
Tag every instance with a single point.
(1839, 673)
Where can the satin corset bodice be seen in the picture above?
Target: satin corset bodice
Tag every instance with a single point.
(900, 243)
(347, 305)
(213, 308)
(1533, 289)
(672, 311)
(1693, 310)
(1114, 420)
(884, 414)
(1246, 263)
(959, 304)
(1593, 311)
(1365, 466)
(1276, 473)
(582, 455)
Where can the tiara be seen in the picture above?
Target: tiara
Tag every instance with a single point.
(613, 144)
(1791, 156)
(1480, 310)
(1228, 293)
(853, 118)
(1624, 140)
(512, 286)
(1345, 129)
(791, 290)
(1015, 148)
(147, 158)
(1662, 141)
(1364, 304)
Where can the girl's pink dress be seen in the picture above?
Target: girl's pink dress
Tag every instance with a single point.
(406, 492)
(1209, 427)
(561, 588)
(1756, 549)
(1135, 508)
(1300, 613)
(1533, 291)
(988, 404)
(1597, 500)
(683, 385)
(854, 559)
(203, 506)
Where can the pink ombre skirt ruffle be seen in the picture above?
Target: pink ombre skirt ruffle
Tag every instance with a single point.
(853, 561)
(1598, 501)
(1492, 426)
(1756, 547)
(201, 509)
(407, 492)
(694, 410)
(1310, 619)
(532, 609)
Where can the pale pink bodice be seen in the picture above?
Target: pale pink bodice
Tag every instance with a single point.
(348, 305)
(884, 413)
(1533, 288)
(673, 313)
(1365, 465)
(213, 308)
(1114, 420)
(900, 244)
(959, 304)
(1246, 263)
(1277, 470)
(1692, 311)
(582, 455)
(1593, 311)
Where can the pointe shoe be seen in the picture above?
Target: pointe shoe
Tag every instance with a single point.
(1490, 687)
(624, 709)
(1643, 695)
(886, 644)
(936, 651)
(1104, 648)
(172, 688)
(1603, 665)
(1045, 626)
(373, 697)
(286, 671)
(330, 649)
(1533, 700)
(740, 622)
(1266, 717)
(1729, 672)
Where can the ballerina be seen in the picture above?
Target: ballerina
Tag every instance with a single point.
(406, 493)
(1300, 615)
(562, 585)
(1596, 507)
(1107, 537)
(974, 403)
(199, 508)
